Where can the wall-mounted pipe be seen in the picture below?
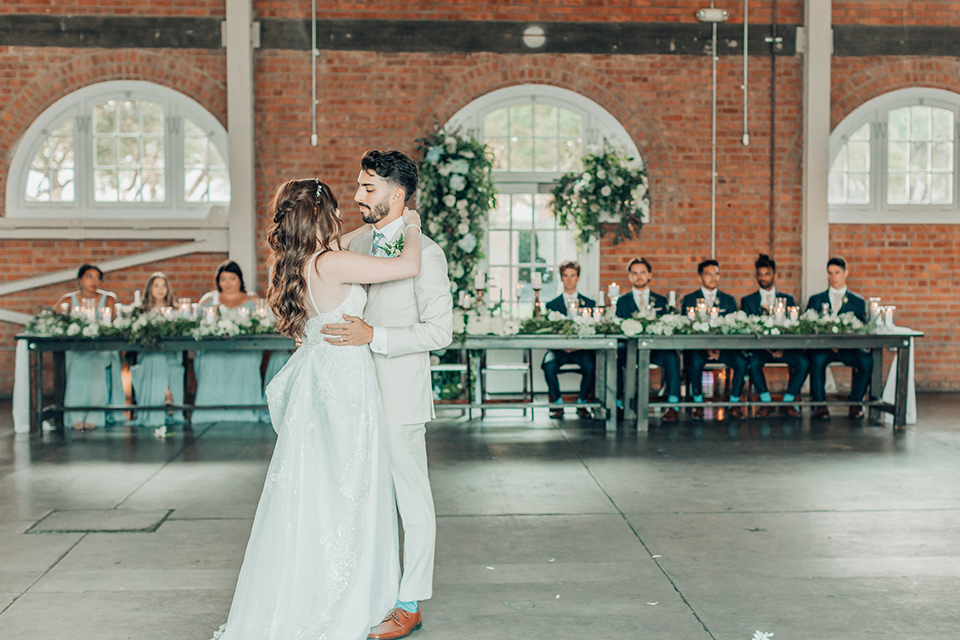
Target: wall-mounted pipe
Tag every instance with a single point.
(713, 16)
(746, 53)
(314, 52)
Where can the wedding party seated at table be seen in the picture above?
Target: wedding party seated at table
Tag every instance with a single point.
(92, 377)
(158, 375)
(228, 377)
(837, 299)
(569, 303)
(717, 303)
(642, 300)
(764, 301)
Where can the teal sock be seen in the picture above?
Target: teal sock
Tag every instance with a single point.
(787, 397)
(698, 398)
(765, 397)
(673, 399)
(409, 607)
(734, 398)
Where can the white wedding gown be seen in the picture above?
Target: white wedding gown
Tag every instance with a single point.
(322, 559)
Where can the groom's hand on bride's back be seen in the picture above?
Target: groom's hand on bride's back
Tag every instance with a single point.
(352, 333)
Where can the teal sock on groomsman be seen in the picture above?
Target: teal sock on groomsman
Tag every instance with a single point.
(765, 397)
(409, 607)
(788, 397)
(698, 398)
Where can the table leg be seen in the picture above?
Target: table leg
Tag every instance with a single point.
(610, 387)
(876, 384)
(903, 373)
(643, 385)
(630, 382)
(36, 416)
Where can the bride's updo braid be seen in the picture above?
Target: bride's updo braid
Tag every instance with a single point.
(304, 221)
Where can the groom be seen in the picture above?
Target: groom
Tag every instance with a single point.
(407, 319)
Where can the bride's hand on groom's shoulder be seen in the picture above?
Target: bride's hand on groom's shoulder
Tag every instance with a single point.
(411, 217)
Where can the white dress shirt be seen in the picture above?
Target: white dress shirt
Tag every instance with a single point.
(768, 299)
(378, 344)
(836, 298)
(710, 296)
(642, 298)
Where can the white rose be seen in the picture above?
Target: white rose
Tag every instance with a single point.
(606, 191)
(463, 228)
(631, 327)
(73, 329)
(449, 200)
(91, 330)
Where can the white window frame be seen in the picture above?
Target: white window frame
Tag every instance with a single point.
(875, 112)
(84, 211)
(598, 125)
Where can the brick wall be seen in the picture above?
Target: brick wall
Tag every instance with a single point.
(388, 100)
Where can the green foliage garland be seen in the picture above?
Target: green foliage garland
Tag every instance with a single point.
(456, 192)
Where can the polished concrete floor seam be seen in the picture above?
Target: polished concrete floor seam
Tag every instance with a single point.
(43, 575)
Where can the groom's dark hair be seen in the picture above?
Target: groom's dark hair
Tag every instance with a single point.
(395, 167)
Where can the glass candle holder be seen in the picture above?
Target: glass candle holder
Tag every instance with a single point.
(714, 314)
(209, 315)
(825, 309)
(794, 313)
(106, 315)
(691, 313)
(244, 313)
(167, 312)
(888, 315)
(702, 308)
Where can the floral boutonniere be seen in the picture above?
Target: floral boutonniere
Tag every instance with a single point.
(393, 249)
(844, 301)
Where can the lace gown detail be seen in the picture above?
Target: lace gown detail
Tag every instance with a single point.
(321, 562)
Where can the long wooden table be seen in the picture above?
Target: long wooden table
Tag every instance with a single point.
(58, 346)
(638, 358)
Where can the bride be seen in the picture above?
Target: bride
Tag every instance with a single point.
(321, 562)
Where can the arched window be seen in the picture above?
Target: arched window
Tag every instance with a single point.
(894, 160)
(120, 150)
(537, 134)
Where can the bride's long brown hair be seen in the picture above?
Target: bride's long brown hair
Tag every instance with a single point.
(304, 221)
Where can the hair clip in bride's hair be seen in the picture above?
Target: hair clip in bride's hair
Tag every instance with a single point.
(319, 189)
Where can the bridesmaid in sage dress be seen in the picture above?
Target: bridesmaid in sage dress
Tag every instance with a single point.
(228, 377)
(158, 375)
(92, 377)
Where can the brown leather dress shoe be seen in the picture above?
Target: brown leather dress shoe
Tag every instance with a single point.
(790, 412)
(556, 414)
(856, 412)
(735, 412)
(584, 413)
(399, 623)
(762, 412)
(822, 413)
(697, 413)
(669, 415)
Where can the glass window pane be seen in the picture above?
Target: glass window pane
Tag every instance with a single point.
(840, 161)
(921, 120)
(128, 115)
(151, 118)
(919, 188)
(500, 148)
(192, 129)
(898, 124)
(38, 186)
(214, 157)
(545, 150)
(942, 156)
(858, 158)
(105, 117)
(521, 120)
(897, 153)
(129, 186)
(920, 156)
(542, 211)
(524, 246)
(219, 186)
(566, 246)
(863, 133)
(941, 188)
(570, 154)
(152, 186)
(570, 124)
(498, 249)
(105, 186)
(858, 188)
(545, 121)
(128, 152)
(64, 186)
(521, 154)
(495, 123)
(152, 153)
(64, 129)
(546, 249)
(195, 185)
(194, 152)
(499, 216)
(942, 124)
(522, 211)
(836, 188)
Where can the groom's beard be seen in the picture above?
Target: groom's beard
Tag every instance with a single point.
(376, 214)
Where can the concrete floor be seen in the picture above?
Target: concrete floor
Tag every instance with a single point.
(545, 530)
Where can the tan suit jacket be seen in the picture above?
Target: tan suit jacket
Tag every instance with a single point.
(418, 316)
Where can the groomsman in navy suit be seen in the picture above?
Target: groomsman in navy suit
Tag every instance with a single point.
(641, 298)
(696, 359)
(762, 302)
(840, 300)
(567, 303)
